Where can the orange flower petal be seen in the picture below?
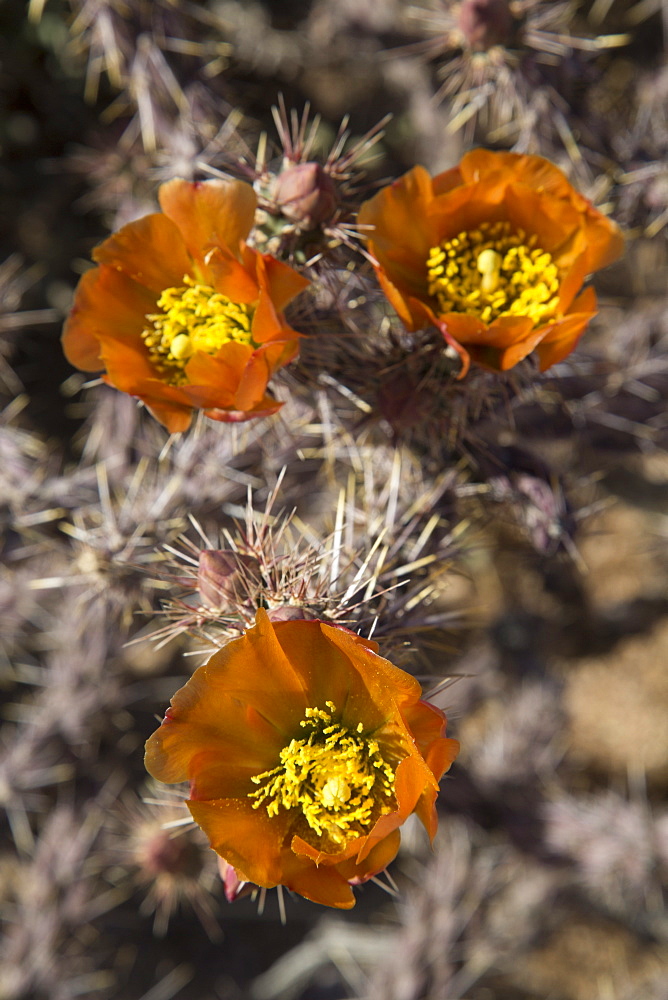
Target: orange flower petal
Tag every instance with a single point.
(282, 283)
(151, 251)
(380, 675)
(446, 181)
(534, 171)
(427, 725)
(255, 670)
(323, 858)
(129, 369)
(254, 843)
(217, 381)
(506, 338)
(412, 779)
(562, 338)
(478, 164)
(327, 671)
(267, 325)
(336, 666)
(215, 213)
(402, 233)
(265, 407)
(261, 366)
(553, 222)
(515, 338)
(322, 885)
(465, 329)
(197, 726)
(377, 860)
(464, 209)
(214, 379)
(412, 318)
(107, 304)
(604, 239)
(346, 863)
(248, 838)
(605, 242)
(231, 277)
(572, 282)
(172, 416)
(250, 679)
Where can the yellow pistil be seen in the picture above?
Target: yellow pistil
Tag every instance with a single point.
(494, 271)
(194, 318)
(336, 777)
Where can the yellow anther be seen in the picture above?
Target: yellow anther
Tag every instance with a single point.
(494, 271)
(194, 318)
(337, 778)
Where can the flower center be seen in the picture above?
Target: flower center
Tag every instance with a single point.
(194, 318)
(494, 271)
(336, 777)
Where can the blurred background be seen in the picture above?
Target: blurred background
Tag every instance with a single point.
(539, 620)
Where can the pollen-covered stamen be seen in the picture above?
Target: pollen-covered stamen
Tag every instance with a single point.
(194, 318)
(336, 777)
(494, 271)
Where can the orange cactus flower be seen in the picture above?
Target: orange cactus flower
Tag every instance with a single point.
(305, 751)
(181, 313)
(494, 253)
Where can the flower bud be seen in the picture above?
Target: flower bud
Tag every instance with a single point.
(289, 613)
(160, 852)
(305, 194)
(485, 23)
(233, 886)
(218, 575)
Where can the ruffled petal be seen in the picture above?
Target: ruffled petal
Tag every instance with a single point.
(377, 860)
(446, 181)
(214, 380)
(130, 370)
(261, 366)
(327, 671)
(109, 305)
(561, 338)
(322, 885)
(265, 407)
(215, 213)
(412, 779)
(553, 222)
(248, 839)
(151, 251)
(464, 209)
(173, 417)
(604, 239)
(268, 324)
(283, 284)
(336, 667)
(229, 276)
(245, 687)
(200, 727)
(402, 230)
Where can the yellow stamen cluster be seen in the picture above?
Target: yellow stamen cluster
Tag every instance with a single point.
(336, 777)
(194, 318)
(494, 271)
